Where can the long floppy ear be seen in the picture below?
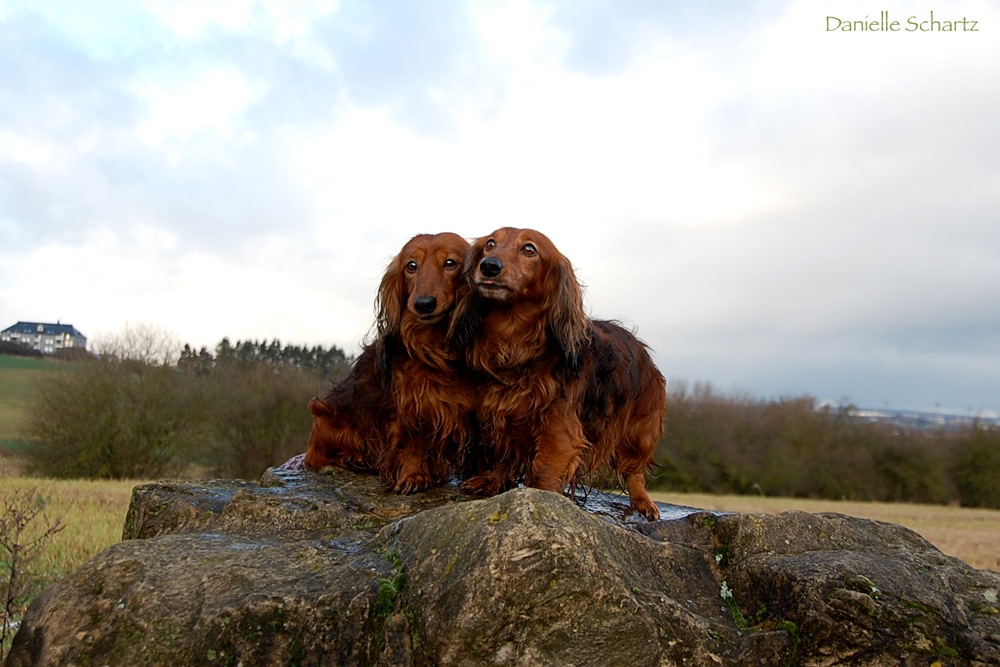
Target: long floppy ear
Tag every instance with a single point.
(466, 318)
(318, 408)
(567, 320)
(388, 320)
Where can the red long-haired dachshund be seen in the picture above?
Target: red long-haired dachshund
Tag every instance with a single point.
(404, 410)
(562, 395)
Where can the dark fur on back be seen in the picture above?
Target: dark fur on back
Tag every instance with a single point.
(349, 422)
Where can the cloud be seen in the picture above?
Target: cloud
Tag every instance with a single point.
(604, 37)
(772, 206)
(207, 102)
(420, 61)
(277, 290)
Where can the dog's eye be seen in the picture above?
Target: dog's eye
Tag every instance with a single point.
(490, 244)
(411, 267)
(450, 263)
(529, 250)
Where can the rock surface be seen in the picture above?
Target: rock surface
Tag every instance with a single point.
(310, 569)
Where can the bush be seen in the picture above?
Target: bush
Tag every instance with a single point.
(258, 418)
(977, 470)
(145, 407)
(71, 354)
(24, 533)
(113, 419)
(787, 447)
(18, 349)
(909, 474)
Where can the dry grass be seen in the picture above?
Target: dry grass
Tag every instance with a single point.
(93, 513)
(968, 533)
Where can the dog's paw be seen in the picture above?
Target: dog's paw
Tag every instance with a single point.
(413, 483)
(646, 507)
(485, 485)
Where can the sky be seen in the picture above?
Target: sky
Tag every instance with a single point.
(774, 206)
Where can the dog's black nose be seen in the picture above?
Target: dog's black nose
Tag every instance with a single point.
(425, 305)
(491, 266)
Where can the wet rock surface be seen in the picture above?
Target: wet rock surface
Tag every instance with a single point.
(331, 569)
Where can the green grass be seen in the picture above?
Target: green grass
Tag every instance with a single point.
(19, 378)
(24, 363)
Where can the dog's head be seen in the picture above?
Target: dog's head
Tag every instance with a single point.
(334, 439)
(523, 268)
(419, 287)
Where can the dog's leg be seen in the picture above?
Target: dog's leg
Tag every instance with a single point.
(639, 497)
(559, 450)
(635, 456)
(412, 476)
(316, 461)
(333, 446)
(408, 472)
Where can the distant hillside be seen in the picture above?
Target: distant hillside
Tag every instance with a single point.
(18, 383)
(924, 421)
(25, 363)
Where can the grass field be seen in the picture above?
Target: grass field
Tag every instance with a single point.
(971, 534)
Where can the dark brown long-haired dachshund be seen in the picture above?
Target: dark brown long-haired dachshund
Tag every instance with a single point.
(561, 395)
(404, 410)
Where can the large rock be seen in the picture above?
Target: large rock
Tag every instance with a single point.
(308, 569)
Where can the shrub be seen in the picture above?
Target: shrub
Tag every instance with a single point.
(146, 407)
(789, 447)
(258, 417)
(113, 419)
(909, 474)
(18, 349)
(977, 470)
(24, 532)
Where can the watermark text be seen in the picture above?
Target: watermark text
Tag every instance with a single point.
(886, 23)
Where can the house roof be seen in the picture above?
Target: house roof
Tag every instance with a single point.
(31, 328)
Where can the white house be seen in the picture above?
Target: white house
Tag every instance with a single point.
(46, 338)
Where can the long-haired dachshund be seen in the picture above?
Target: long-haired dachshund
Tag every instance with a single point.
(404, 409)
(562, 395)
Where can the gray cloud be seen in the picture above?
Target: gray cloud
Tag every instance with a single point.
(420, 60)
(875, 280)
(829, 300)
(422, 64)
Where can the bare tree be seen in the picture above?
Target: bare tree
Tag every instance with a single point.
(140, 341)
(21, 541)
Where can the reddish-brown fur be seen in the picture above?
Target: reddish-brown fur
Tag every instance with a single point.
(562, 395)
(433, 400)
(349, 423)
(408, 405)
